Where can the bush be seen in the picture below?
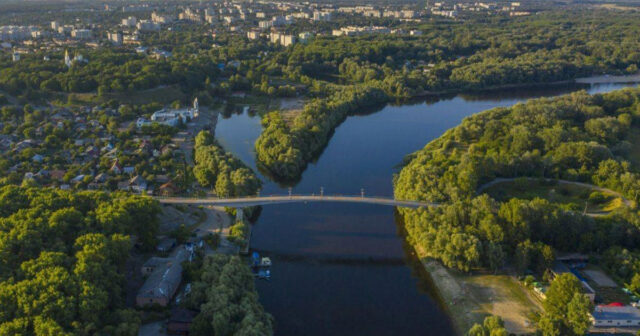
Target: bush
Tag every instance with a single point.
(597, 197)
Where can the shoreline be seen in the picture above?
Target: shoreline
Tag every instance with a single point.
(468, 298)
(595, 79)
(448, 287)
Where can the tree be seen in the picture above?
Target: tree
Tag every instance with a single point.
(492, 326)
(578, 314)
(566, 309)
(560, 293)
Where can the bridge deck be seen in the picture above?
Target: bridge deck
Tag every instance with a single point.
(265, 200)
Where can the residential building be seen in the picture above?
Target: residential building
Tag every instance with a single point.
(147, 25)
(81, 34)
(615, 315)
(115, 37)
(129, 22)
(253, 34)
(161, 285)
(321, 16)
(161, 18)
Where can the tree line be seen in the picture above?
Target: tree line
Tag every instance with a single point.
(216, 168)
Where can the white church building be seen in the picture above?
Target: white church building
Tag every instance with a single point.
(171, 117)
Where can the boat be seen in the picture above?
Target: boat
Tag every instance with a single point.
(263, 274)
(255, 259)
(265, 262)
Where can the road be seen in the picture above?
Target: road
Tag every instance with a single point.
(265, 200)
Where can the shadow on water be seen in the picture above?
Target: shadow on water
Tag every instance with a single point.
(424, 280)
(331, 260)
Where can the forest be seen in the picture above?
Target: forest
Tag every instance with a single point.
(61, 260)
(364, 71)
(227, 300)
(576, 137)
(220, 170)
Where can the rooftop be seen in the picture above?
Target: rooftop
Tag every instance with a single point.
(616, 313)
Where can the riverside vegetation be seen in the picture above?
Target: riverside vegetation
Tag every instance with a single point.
(350, 74)
(577, 137)
(62, 258)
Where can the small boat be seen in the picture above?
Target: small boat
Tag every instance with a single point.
(255, 259)
(265, 262)
(263, 274)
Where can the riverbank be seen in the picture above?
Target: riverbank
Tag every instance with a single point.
(609, 79)
(469, 298)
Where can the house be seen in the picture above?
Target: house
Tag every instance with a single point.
(152, 264)
(78, 179)
(560, 268)
(116, 168)
(161, 179)
(615, 315)
(37, 158)
(100, 178)
(129, 170)
(57, 174)
(138, 184)
(166, 244)
(161, 285)
(180, 321)
(168, 189)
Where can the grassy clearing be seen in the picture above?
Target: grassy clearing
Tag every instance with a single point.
(470, 298)
(259, 104)
(573, 197)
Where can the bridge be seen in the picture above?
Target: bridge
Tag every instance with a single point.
(241, 202)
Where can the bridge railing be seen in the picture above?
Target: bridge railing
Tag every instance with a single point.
(280, 195)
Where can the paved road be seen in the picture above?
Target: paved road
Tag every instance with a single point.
(265, 200)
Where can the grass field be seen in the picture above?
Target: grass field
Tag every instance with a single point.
(573, 197)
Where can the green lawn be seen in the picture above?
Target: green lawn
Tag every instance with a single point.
(572, 197)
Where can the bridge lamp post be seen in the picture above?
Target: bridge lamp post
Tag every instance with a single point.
(290, 189)
(362, 192)
(321, 191)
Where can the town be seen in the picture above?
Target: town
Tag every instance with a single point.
(172, 167)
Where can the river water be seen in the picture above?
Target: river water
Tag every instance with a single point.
(344, 269)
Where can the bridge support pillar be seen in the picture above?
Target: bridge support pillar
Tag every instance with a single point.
(239, 214)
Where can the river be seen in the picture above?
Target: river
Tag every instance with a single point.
(344, 269)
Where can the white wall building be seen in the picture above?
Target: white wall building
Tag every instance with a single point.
(171, 117)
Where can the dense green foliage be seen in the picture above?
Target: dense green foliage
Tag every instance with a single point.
(447, 57)
(476, 54)
(492, 326)
(61, 260)
(566, 309)
(574, 137)
(284, 149)
(227, 300)
(106, 71)
(222, 171)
